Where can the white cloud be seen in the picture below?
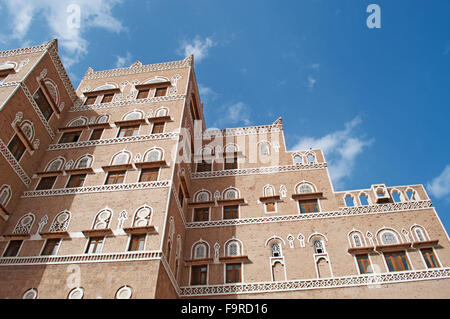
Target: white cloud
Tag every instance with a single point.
(198, 47)
(440, 185)
(207, 94)
(311, 82)
(123, 60)
(234, 114)
(340, 148)
(68, 20)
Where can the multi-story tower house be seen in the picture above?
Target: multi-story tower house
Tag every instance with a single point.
(117, 190)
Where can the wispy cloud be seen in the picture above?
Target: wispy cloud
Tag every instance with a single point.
(439, 187)
(207, 94)
(68, 20)
(341, 149)
(123, 60)
(311, 82)
(234, 114)
(198, 47)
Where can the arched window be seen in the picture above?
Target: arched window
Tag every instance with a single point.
(233, 248)
(231, 194)
(135, 115)
(357, 240)
(202, 196)
(364, 199)
(102, 219)
(311, 158)
(84, 162)
(30, 294)
(388, 238)
(269, 190)
(304, 188)
(419, 232)
(275, 249)
(396, 196)
(153, 155)
(298, 159)
(105, 87)
(200, 251)
(5, 194)
(162, 112)
(78, 122)
(24, 224)
(124, 292)
(264, 148)
(28, 130)
(55, 165)
(142, 217)
(349, 202)
(411, 194)
(53, 90)
(76, 293)
(103, 119)
(60, 222)
(121, 158)
(231, 148)
(319, 247)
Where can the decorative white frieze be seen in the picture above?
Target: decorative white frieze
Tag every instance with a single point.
(138, 67)
(127, 102)
(97, 189)
(79, 259)
(345, 211)
(118, 140)
(319, 283)
(14, 164)
(259, 170)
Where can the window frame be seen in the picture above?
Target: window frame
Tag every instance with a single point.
(367, 269)
(97, 240)
(426, 258)
(115, 172)
(233, 273)
(160, 125)
(135, 128)
(46, 101)
(70, 134)
(232, 207)
(16, 139)
(395, 263)
(56, 246)
(203, 209)
(141, 238)
(20, 243)
(101, 130)
(73, 176)
(155, 173)
(46, 178)
(199, 275)
(309, 201)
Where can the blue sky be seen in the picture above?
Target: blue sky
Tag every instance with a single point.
(376, 100)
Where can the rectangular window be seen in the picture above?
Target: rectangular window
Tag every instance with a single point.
(46, 183)
(126, 131)
(90, 100)
(204, 167)
(70, 137)
(198, 275)
(231, 163)
(270, 207)
(16, 147)
(397, 261)
(51, 247)
(95, 245)
(158, 128)
(115, 178)
(430, 258)
(143, 94)
(43, 104)
(76, 181)
(233, 273)
(364, 264)
(308, 206)
(201, 214)
(96, 134)
(181, 196)
(107, 98)
(13, 248)
(231, 212)
(161, 91)
(137, 243)
(149, 175)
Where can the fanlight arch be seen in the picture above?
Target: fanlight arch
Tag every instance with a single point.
(5, 195)
(154, 155)
(121, 158)
(202, 196)
(28, 129)
(230, 193)
(55, 164)
(304, 188)
(133, 115)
